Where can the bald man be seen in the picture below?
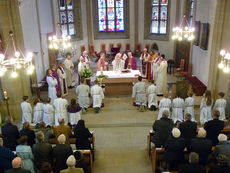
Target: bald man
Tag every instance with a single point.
(17, 167)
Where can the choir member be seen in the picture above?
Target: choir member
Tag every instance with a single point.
(62, 76)
(220, 105)
(165, 104)
(118, 64)
(144, 61)
(55, 74)
(48, 113)
(26, 110)
(189, 106)
(97, 95)
(206, 108)
(38, 111)
(162, 76)
(74, 112)
(152, 96)
(130, 62)
(69, 67)
(52, 82)
(60, 107)
(102, 63)
(177, 109)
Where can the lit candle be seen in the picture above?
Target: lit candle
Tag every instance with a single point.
(5, 94)
(101, 70)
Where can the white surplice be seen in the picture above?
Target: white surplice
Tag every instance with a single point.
(165, 104)
(139, 92)
(86, 59)
(124, 57)
(205, 111)
(69, 72)
(26, 112)
(63, 81)
(83, 92)
(177, 109)
(48, 114)
(144, 59)
(97, 95)
(220, 105)
(60, 107)
(162, 77)
(38, 113)
(118, 65)
(74, 117)
(152, 95)
(189, 107)
(52, 92)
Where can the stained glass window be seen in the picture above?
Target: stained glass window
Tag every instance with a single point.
(159, 17)
(111, 15)
(67, 17)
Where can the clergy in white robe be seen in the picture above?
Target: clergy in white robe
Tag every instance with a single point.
(164, 105)
(52, 82)
(62, 77)
(162, 77)
(144, 63)
(69, 67)
(86, 58)
(139, 92)
(38, 111)
(220, 105)
(48, 113)
(177, 109)
(83, 92)
(118, 64)
(97, 95)
(26, 110)
(60, 108)
(122, 55)
(152, 96)
(189, 106)
(154, 67)
(206, 108)
(74, 112)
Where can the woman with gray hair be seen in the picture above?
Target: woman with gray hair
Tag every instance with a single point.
(71, 162)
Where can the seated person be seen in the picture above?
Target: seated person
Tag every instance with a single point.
(71, 162)
(214, 127)
(130, 62)
(79, 163)
(222, 165)
(118, 64)
(17, 167)
(162, 129)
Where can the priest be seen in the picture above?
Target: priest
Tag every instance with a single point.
(155, 65)
(102, 63)
(69, 67)
(122, 54)
(118, 64)
(85, 56)
(130, 62)
(151, 65)
(62, 76)
(161, 76)
(55, 75)
(144, 62)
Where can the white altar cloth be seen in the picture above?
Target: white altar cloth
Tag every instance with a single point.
(118, 74)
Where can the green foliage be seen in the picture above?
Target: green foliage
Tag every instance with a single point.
(86, 72)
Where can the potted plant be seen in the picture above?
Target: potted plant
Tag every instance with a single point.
(86, 73)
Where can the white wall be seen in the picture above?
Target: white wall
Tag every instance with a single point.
(205, 12)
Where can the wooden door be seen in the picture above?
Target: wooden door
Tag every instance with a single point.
(182, 52)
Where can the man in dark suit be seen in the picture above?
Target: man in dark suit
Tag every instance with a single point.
(214, 127)
(188, 129)
(162, 129)
(10, 134)
(202, 146)
(60, 154)
(193, 166)
(42, 151)
(17, 167)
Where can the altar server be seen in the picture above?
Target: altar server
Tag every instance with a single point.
(38, 111)
(118, 64)
(220, 105)
(85, 58)
(177, 109)
(97, 95)
(26, 110)
(189, 106)
(121, 54)
(139, 93)
(52, 82)
(55, 74)
(69, 67)
(162, 76)
(144, 62)
(165, 104)
(130, 62)
(206, 108)
(48, 113)
(152, 96)
(102, 63)
(74, 112)
(62, 76)
(60, 107)
(83, 92)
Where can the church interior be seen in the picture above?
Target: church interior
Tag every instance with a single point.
(118, 49)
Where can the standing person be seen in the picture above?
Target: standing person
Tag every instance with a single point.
(71, 162)
(152, 96)
(177, 109)
(17, 167)
(63, 82)
(74, 112)
(27, 131)
(48, 113)
(52, 82)
(38, 111)
(144, 61)
(189, 106)
(60, 107)
(139, 93)
(81, 66)
(155, 65)
(82, 134)
(83, 92)
(53, 67)
(69, 67)
(118, 64)
(26, 110)
(220, 105)
(130, 62)
(165, 104)
(97, 95)
(206, 108)
(121, 54)
(151, 65)
(102, 63)
(161, 76)
(86, 58)
(10, 134)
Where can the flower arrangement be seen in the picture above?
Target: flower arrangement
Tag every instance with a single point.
(86, 72)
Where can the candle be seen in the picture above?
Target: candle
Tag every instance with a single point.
(101, 70)
(5, 94)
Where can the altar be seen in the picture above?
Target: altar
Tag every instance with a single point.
(118, 83)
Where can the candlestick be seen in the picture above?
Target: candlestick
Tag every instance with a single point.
(5, 94)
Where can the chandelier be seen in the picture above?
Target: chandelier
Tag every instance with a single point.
(184, 31)
(224, 61)
(59, 41)
(16, 61)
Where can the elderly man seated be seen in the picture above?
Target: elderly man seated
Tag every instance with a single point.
(17, 167)
(71, 162)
